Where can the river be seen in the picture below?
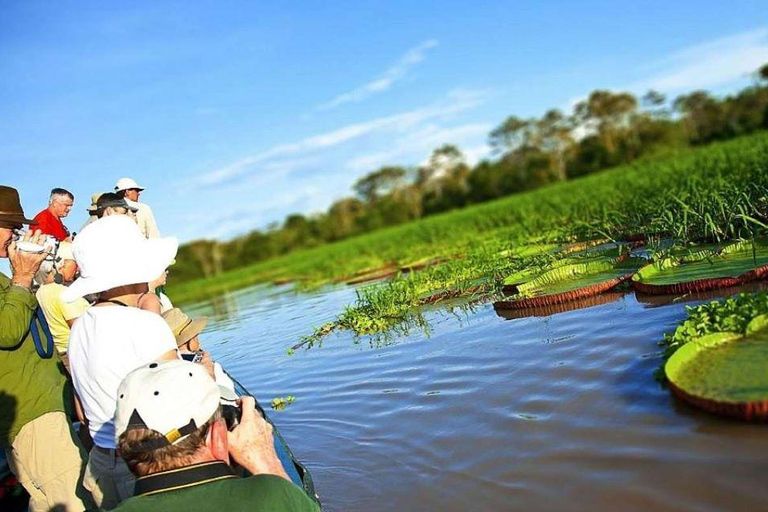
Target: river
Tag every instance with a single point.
(473, 411)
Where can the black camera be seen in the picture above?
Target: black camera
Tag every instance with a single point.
(231, 414)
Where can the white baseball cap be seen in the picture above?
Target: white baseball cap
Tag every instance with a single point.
(125, 184)
(113, 252)
(173, 398)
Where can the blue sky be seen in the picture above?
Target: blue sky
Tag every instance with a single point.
(234, 114)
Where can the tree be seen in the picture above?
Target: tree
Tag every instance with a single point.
(703, 115)
(379, 183)
(512, 133)
(553, 135)
(608, 114)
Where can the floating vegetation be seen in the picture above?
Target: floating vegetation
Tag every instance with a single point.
(704, 270)
(280, 403)
(724, 373)
(571, 282)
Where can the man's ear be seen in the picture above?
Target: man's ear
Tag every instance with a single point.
(217, 440)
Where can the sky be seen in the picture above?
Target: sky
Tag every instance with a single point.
(234, 114)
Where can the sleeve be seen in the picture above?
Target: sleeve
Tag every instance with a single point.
(72, 310)
(17, 306)
(150, 225)
(42, 223)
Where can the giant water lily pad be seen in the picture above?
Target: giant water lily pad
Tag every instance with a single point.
(612, 253)
(724, 373)
(571, 282)
(732, 266)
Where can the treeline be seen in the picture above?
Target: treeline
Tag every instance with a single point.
(604, 130)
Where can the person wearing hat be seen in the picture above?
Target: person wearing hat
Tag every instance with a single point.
(35, 431)
(171, 434)
(54, 277)
(92, 211)
(130, 190)
(114, 336)
(111, 203)
(49, 220)
(187, 331)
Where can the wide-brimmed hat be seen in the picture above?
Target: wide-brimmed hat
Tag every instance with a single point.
(126, 184)
(11, 212)
(184, 327)
(113, 252)
(94, 199)
(173, 398)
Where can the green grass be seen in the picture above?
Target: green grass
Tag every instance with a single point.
(708, 195)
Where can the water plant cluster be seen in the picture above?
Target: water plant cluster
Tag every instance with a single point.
(731, 315)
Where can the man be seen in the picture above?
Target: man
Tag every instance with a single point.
(130, 190)
(92, 215)
(34, 428)
(112, 203)
(173, 438)
(49, 221)
(54, 277)
(113, 337)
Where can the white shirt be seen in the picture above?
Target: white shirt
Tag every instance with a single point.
(145, 219)
(105, 345)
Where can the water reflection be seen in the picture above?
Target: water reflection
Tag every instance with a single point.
(588, 302)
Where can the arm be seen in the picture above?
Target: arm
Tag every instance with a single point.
(149, 302)
(17, 303)
(252, 444)
(150, 224)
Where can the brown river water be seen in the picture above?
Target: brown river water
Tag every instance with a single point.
(471, 411)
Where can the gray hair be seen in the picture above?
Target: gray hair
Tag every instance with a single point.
(45, 270)
(57, 193)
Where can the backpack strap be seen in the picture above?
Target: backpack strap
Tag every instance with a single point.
(38, 318)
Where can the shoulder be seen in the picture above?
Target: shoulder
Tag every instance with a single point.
(275, 492)
(42, 215)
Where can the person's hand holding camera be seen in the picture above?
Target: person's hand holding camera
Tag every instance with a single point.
(251, 443)
(25, 264)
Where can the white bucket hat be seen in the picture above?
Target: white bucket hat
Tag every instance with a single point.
(112, 252)
(173, 398)
(125, 184)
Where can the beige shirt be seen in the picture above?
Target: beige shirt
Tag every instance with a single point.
(145, 219)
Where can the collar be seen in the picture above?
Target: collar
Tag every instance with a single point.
(180, 478)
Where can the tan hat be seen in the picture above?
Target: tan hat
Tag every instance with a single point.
(11, 212)
(94, 200)
(184, 327)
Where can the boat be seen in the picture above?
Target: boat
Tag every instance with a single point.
(14, 498)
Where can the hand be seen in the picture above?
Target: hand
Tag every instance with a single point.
(207, 363)
(25, 264)
(251, 443)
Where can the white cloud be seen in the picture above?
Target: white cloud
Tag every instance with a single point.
(454, 103)
(417, 145)
(386, 80)
(710, 64)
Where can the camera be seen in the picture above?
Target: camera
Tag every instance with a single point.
(50, 244)
(231, 415)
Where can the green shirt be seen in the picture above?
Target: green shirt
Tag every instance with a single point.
(29, 385)
(211, 486)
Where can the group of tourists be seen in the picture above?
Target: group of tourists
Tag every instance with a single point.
(87, 334)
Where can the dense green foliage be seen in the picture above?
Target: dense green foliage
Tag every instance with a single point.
(711, 194)
(729, 315)
(615, 129)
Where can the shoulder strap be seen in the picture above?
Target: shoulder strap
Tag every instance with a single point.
(110, 301)
(39, 318)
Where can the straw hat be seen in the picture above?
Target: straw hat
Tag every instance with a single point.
(112, 252)
(184, 327)
(94, 199)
